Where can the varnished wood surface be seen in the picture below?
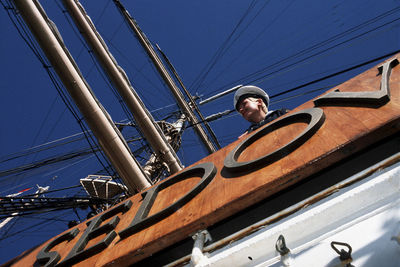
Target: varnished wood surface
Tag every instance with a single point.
(345, 131)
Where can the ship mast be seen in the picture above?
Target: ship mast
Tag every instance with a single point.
(184, 106)
(102, 126)
(143, 118)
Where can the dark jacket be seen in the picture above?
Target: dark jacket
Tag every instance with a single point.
(270, 117)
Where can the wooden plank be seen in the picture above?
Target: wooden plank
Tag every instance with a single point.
(345, 131)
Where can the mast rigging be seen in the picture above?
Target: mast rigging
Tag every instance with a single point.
(186, 109)
(110, 139)
(190, 97)
(143, 118)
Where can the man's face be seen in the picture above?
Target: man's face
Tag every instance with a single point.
(250, 109)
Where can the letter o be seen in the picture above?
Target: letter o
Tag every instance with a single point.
(207, 172)
(314, 117)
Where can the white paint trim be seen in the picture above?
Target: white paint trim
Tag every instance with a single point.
(351, 206)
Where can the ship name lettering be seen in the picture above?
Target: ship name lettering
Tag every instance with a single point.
(314, 117)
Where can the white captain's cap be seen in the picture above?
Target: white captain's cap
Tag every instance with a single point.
(249, 91)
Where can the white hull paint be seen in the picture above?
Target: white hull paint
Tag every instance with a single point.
(364, 215)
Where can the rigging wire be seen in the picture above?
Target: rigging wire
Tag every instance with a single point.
(108, 168)
(148, 60)
(35, 217)
(337, 73)
(200, 78)
(45, 162)
(52, 178)
(42, 124)
(85, 152)
(52, 191)
(290, 97)
(69, 139)
(252, 78)
(316, 81)
(264, 77)
(24, 33)
(9, 227)
(26, 36)
(74, 155)
(109, 84)
(232, 136)
(96, 65)
(42, 147)
(137, 70)
(54, 144)
(58, 120)
(36, 226)
(223, 52)
(232, 62)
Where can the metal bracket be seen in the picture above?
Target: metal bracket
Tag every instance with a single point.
(284, 251)
(281, 247)
(345, 256)
(200, 238)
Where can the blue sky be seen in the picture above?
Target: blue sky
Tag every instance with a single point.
(214, 45)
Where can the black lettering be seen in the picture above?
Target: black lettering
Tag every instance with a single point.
(78, 252)
(50, 258)
(314, 117)
(205, 170)
(373, 98)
